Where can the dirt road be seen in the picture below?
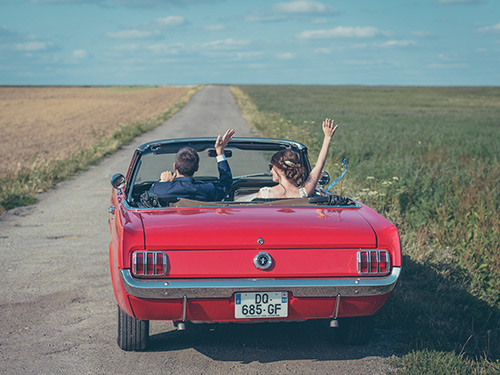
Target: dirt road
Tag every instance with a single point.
(58, 313)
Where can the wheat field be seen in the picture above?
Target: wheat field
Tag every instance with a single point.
(38, 124)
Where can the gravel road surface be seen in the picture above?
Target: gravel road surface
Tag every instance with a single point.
(57, 309)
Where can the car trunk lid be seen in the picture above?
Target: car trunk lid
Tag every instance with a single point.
(224, 241)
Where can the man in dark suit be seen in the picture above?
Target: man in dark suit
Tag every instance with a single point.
(181, 184)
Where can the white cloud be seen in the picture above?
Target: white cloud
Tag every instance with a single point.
(445, 57)
(152, 3)
(322, 51)
(286, 10)
(76, 57)
(148, 31)
(342, 32)
(225, 44)
(171, 21)
(217, 27)
(32, 46)
(447, 66)
(80, 54)
(319, 21)
(373, 63)
(7, 34)
(490, 29)
(398, 43)
(125, 47)
(448, 60)
(450, 57)
(285, 56)
(67, 1)
(303, 7)
(166, 49)
(258, 65)
(359, 62)
(131, 34)
(264, 18)
(243, 56)
(460, 1)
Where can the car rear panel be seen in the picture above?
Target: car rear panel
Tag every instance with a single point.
(222, 309)
(240, 263)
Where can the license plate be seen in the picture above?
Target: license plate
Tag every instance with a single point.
(261, 305)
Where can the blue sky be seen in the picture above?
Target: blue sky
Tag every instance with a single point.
(157, 42)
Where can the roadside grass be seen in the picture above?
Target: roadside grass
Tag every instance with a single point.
(427, 159)
(22, 187)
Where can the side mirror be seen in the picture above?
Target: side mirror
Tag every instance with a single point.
(324, 178)
(118, 181)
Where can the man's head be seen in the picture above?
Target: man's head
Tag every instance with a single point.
(187, 161)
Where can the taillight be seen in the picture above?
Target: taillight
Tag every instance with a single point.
(149, 263)
(374, 262)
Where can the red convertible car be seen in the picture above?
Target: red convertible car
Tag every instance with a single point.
(242, 258)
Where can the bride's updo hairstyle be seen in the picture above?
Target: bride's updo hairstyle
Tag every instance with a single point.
(288, 161)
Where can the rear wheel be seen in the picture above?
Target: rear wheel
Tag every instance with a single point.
(133, 334)
(355, 331)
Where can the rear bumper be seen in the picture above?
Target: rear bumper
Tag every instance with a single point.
(225, 288)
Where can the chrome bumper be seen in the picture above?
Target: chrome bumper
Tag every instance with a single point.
(225, 288)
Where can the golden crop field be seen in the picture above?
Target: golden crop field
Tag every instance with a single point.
(43, 123)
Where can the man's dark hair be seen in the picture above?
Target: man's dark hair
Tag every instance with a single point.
(187, 161)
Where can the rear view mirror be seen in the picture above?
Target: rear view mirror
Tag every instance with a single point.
(212, 153)
(118, 181)
(324, 178)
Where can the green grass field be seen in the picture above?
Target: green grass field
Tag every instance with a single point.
(428, 159)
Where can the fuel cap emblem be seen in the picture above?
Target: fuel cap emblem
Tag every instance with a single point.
(263, 261)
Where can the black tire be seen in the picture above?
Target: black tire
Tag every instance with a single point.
(355, 331)
(133, 334)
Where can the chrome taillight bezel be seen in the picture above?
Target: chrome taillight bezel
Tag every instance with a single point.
(378, 262)
(147, 268)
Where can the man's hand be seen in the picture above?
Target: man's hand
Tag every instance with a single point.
(167, 176)
(222, 142)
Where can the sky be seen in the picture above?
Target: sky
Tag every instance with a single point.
(184, 42)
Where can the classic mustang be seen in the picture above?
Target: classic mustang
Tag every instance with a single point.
(242, 258)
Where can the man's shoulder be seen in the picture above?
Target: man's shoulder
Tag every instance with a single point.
(168, 185)
(180, 187)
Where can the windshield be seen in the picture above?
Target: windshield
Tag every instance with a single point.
(243, 163)
(248, 159)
